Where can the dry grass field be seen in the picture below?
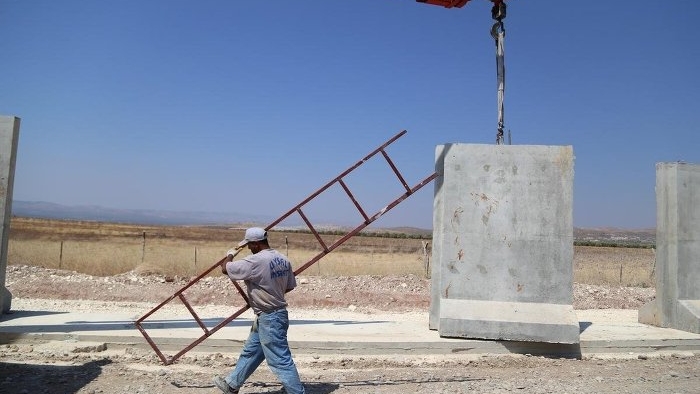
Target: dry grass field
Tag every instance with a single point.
(105, 249)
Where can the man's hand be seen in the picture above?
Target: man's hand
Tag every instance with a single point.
(229, 257)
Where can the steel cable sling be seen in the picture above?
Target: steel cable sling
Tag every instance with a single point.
(498, 32)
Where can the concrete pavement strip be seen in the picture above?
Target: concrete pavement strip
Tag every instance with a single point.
(341, 333)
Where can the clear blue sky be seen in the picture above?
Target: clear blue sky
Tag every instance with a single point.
(249, 106)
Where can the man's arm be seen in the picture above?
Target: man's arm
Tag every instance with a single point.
(291, 280)
(228, 259)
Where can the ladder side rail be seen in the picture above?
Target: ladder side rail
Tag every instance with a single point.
(326, 249)
(297, 272)
(383, 211)
(374, 217)
(329, 184)
(404, 196)
(211, 332)
(207, 334)
(177, 293)
(310, 262)
(332, 247)
(340, 241)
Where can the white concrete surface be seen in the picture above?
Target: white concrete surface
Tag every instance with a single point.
(324, 332)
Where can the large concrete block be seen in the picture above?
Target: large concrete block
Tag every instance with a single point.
(9, 135)
(502, 264)
(677, 303)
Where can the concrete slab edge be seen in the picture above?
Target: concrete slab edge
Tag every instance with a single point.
(466, 347)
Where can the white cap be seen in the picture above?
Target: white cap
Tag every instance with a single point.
(253, 234)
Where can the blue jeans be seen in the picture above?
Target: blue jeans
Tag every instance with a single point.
(268, 341)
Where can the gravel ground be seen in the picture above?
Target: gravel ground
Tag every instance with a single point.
(60, 367)
(385, 293)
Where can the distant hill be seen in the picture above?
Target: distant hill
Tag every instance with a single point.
(47, 210)
(615, 236)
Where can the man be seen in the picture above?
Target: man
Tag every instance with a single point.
(268, 276)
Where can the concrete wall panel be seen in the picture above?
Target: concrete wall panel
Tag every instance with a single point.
(9, 136)
(677, 249)
(503, 233)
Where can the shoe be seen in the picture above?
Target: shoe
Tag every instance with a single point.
(223, 386)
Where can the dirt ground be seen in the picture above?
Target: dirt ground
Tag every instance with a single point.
(91, 368)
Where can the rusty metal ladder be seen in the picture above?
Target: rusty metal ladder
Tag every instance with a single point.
(325, 249)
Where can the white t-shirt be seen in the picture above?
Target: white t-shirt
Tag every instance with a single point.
(268, 275)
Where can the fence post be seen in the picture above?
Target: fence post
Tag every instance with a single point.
(143, 247)
(620, 273)
(60, 257)
(426, 259)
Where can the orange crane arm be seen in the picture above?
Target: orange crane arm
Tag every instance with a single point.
(446, 3)
(455, 3)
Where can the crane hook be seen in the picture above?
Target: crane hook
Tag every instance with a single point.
(498, 11)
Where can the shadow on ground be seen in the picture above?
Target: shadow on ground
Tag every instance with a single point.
(18, 378)
(362, 386)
